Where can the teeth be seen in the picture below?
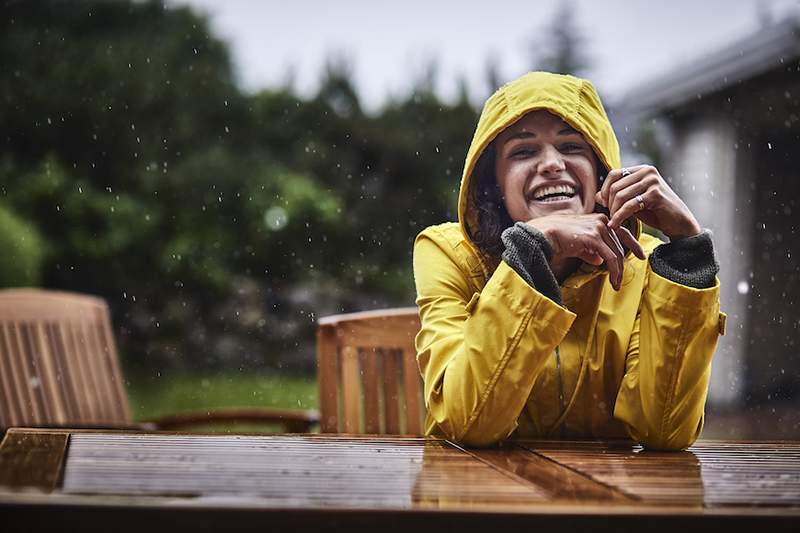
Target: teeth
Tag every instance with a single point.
(554, 189)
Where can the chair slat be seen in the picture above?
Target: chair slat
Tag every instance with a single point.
(11, 409)
(327, 375)
(122, 407)
(351, 390)
(370, 385)
(100, 372)
(412, 390)
(391, 391)
(80, 380)
(48, 380)
(26, 385)
(89, 389)
(62, 366)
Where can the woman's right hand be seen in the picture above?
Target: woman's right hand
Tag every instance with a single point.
(588, 238)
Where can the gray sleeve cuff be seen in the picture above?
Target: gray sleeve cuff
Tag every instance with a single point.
(528, 253)
(688, 261)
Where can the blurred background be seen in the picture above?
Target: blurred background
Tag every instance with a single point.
(224, 173)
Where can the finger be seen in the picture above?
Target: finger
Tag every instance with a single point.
(638, 181)
(611, 178)
(630, 208)
(640, 187)
(610, 238)
(590, 256)
(630, 242)
(610, 259)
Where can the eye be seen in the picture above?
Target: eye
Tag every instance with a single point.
(520, 153)
(570, 148)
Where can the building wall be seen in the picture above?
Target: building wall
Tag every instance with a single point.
(707, 170)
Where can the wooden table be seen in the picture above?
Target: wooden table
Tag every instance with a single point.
(72, 480)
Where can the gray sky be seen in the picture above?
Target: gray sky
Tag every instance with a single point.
(390, 44)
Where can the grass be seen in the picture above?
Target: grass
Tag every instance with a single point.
(152, 396)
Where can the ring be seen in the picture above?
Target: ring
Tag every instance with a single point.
(625, 172)
(641, 202)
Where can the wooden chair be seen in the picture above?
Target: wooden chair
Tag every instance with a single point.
(369, 381)
(59, 367)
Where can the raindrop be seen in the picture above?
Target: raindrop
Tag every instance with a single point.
(743, 287)
(276, 218)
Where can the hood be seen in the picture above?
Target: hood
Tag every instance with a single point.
(573, 99)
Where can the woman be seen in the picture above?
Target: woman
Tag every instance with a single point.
(545, 311)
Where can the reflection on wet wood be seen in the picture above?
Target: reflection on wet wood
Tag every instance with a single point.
(401, 474)
(451, 477)
(709, 474)
(32, 461)
(553, 479)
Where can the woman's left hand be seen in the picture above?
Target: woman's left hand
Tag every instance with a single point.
(640, 191)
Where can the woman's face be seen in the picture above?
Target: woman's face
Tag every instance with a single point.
(543, 167)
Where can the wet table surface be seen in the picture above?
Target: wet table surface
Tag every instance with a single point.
(52, 479)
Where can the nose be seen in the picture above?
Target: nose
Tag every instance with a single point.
(552, 163)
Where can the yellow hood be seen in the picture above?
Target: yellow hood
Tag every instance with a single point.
(573, 99)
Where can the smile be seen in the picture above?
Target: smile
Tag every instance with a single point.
(554, 193)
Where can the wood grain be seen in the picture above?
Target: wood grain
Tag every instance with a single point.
(32, 460)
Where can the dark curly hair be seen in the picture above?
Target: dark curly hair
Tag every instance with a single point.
(486, 200)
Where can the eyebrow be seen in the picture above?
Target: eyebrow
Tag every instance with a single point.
(569, 130)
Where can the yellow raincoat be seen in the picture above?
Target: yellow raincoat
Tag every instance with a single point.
(634, 363)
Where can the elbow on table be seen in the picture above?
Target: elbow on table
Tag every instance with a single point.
(471, 436)
(670, 441)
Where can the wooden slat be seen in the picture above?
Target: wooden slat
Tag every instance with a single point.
(391, 391)
(11, 409)
(32, 460)
(97, 374)
(290, 471)
(412, 390)
(370, 382)
(351, 390)
(27, 386)
(63, 371)
(83, 390)
(49, 381)
(327, 376)
(103, 318)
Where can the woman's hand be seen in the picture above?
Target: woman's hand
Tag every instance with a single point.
(640, 191)
(589, 238)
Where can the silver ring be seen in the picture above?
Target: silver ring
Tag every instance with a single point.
(625, 172)
(641, 202)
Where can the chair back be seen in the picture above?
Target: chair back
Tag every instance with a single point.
(58, 361)
(369, 381)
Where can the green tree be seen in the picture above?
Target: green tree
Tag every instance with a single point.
(561, 48)
(23, 251)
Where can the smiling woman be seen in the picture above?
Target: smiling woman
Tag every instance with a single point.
(544, 310)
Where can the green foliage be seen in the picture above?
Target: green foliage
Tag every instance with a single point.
(22, 251)
(216, 223)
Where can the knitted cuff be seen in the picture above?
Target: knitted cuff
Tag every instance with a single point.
(688, 261)
(528, 253)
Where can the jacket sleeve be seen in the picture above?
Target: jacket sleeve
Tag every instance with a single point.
(479, 353)
(668, 363)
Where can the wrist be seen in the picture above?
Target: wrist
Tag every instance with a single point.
(691, 230)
